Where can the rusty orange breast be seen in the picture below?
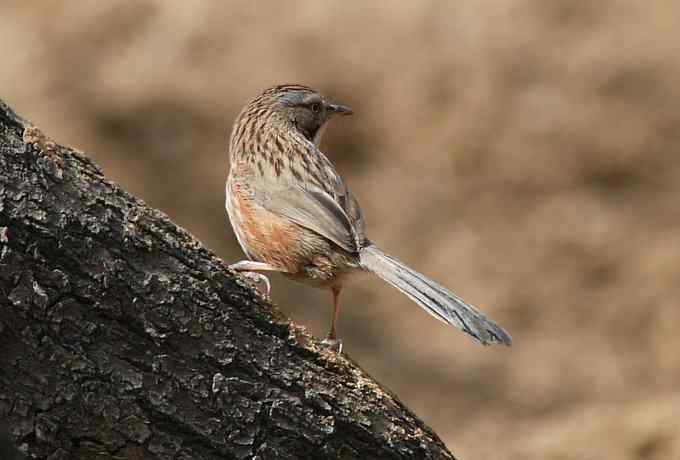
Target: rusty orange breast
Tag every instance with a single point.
(264, 236)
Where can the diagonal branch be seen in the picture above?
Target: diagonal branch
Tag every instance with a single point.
(122, 337)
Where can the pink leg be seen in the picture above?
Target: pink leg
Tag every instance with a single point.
(332, 339)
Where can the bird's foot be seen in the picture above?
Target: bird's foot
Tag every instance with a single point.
(251, 270)
(334, 344)
(258, 279)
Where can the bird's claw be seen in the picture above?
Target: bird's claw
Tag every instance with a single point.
(258, 279)
(333, 344)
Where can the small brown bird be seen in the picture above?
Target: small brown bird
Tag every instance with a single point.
(292, 213)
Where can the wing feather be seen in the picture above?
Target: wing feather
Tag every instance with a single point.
(315, 210)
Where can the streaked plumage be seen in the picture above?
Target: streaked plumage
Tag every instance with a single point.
(292, 212)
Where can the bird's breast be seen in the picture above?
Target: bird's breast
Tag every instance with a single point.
(263, 236)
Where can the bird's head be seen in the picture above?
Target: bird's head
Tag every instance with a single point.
(305, 109)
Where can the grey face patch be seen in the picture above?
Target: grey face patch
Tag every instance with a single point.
(294, 98)
(307, 112)
(300, 98)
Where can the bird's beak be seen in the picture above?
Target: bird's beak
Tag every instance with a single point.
(339, 109)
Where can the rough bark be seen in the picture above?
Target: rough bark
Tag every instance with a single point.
(122, 337)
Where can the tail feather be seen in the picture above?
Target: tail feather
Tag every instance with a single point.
(435, 299)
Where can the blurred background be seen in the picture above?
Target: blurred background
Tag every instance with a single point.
(522, 152)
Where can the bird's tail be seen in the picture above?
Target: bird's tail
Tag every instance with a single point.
(435, 299)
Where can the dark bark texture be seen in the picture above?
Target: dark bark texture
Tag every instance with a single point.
(122, 337)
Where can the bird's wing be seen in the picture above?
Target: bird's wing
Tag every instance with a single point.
(338, 191)
(316, 210)
(351, 207)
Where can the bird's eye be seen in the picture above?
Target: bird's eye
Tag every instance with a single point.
(316, 107)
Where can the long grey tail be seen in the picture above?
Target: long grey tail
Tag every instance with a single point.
(435, 299)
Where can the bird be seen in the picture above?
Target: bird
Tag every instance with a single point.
(293, 214)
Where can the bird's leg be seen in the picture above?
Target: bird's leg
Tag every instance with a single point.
(334, 317)
(332, 339)
(250, 270)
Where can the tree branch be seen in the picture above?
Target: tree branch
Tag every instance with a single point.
(122, 337)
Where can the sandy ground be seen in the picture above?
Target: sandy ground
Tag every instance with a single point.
(524, 153)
